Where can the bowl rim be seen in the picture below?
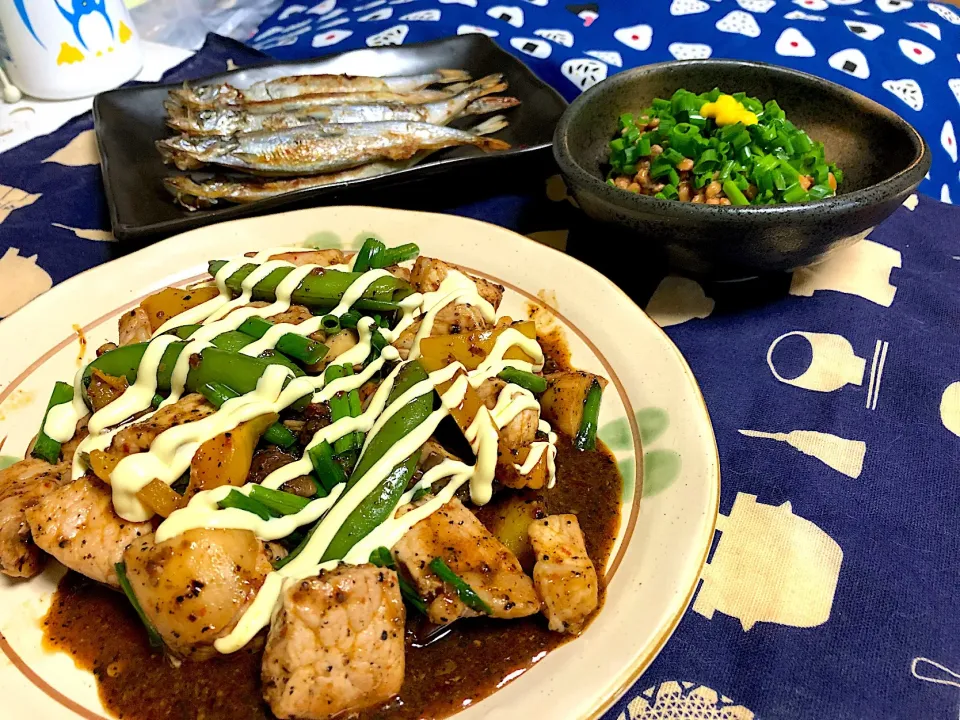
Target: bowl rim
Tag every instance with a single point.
(899, 182)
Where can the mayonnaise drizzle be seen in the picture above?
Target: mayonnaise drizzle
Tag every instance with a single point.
(307, 563)
(61, 423)
(138, 396)
(512, 401)
(170, 454)
(455, 288)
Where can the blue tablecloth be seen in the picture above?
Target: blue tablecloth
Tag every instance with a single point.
(835, 392)
(902, 54)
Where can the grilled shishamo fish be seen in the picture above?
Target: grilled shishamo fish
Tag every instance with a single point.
(318, 148)
(296, 85)
(195, 195)
(230, 121)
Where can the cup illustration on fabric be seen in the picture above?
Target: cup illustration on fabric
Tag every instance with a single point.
(62, 49)
(770, 566)
(833, 363)
(862, 269)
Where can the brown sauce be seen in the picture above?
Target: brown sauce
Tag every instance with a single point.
(99, 629)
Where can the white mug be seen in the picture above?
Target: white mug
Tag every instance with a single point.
(64, 49)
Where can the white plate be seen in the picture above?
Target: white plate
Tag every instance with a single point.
(662, 543)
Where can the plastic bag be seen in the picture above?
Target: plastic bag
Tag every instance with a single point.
(185, 23)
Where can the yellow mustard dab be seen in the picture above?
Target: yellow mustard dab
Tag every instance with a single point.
(727, 110)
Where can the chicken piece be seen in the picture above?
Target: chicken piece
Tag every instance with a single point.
(294, 315)
(337, 345)
(22, 486)
(330, 256)
(428, 273)
(140, 436)
(336, 644)
(489, 391)
(453, 319)
(77, 525)
(399, 272)
(562, 403)
(565, 578)
(522, 428)
(454, 534)
(516, 436)
(135, 327)
(432, 454)
(196, 586)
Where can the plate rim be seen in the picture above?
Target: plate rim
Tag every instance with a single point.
(631, 672)
(129, 232)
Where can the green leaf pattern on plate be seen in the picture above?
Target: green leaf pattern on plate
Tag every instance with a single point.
(661, 466)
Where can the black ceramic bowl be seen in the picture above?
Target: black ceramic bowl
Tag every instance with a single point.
(883, 159)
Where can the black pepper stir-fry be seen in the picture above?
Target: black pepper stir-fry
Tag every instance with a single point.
(301, 445)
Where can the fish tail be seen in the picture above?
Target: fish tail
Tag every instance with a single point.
(487, 105)
(180, 123)
(452, 90)
(489, 144)
(184, 97)
(490, 126)
(452, 76)
(484, 86)
(173, 155)
(187, 193)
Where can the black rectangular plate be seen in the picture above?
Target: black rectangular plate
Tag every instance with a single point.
(130, 120)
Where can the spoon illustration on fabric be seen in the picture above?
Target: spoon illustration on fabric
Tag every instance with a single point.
(845, 456)
(933, 672)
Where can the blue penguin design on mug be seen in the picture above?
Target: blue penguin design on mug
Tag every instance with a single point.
(22, 11)
(80, 9)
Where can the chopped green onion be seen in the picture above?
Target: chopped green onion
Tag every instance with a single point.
(279, 501)
(152, 635)
(217, 394)
(769, 155)
(734, 193)
(795, 193)
(329, 472)
(643, 145)
(349, 319)
(341, 407)
(397, 255)
(586, 437)
(819, 192)
(526, 380)
(466, 593)
(381, 557)
(238, 500)
(330, 324)
(296, 346)
(368, 253)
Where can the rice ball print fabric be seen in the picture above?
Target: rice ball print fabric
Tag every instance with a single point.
(900, 53)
